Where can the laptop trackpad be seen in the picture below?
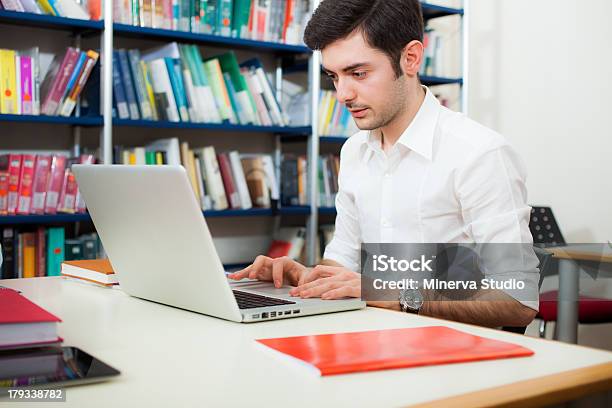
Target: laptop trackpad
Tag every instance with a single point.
(263, 288)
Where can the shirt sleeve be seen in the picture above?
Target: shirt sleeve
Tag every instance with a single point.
(493, 198)
(345, 246)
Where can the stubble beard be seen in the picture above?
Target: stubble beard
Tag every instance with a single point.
(389, 112)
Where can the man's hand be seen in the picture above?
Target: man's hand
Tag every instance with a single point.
(279, 270)
(329, 282)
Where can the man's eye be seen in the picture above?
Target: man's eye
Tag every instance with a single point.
(359, 74)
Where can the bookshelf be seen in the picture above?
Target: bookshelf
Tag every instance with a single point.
(108, 31)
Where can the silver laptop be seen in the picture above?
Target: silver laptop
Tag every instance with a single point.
(157, 239)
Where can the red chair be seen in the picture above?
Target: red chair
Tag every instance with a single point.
(591, 310)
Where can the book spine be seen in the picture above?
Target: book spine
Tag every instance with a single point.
(8, 253)
(236, 107)
(26, 85)
(128, 84)
(4, 184)
(71, 100)
(76, 72)
(175, 14)
(163, 90)
(18, 83)
(240, 181)
(29, 255)
(54, 186)
(177, 88)
(224, 18)
(53, 98)
(210, 17)
(41, 179)
(257, 93)
(47, 7)
(213, 72)
(55, 250)
(139, 83)
(121, 102)
(8, 82)
(213, 177)
(41, 249)
(26, 178)
(228, 181)
(14, 170)
(269, 97)
(146, 75)
(67, 198)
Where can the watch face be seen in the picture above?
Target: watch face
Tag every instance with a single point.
(411, 299)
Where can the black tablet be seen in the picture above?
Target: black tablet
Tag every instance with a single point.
(50, 367)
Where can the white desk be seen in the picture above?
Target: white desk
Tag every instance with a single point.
(170, 357)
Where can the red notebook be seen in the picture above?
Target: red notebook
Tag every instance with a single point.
(23, 323)
(345, 353)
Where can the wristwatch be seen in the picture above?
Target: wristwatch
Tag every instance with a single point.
(411, 300)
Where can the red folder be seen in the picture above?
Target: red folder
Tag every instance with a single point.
(344, 353)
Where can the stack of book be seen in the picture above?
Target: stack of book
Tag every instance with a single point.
(24, 324)
(39, 252)
(334, 117)
(22, 93)
(60, 8)
(220, 181)
(173, 83)
(263, 20)
(40, 184)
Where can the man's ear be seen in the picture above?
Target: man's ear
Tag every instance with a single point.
(412, 57)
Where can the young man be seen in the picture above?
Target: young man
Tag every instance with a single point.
(415, 173)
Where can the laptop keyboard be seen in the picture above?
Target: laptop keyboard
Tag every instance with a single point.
(248, 300)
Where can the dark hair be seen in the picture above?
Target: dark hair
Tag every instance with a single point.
(387, 25)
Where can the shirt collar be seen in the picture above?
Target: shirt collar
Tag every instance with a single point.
(417, 137)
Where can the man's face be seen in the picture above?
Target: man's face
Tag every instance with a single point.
(365, 81)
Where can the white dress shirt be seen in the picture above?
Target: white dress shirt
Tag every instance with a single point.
(447, 179)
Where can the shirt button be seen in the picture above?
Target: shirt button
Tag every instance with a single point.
(386, 223)
(387, 175)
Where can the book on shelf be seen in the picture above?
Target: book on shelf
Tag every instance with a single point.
(219, 180)
(59, 8)
(24, 324)
(39, 184)
(334, 117)
(281, 21)
(39, 251)
(287, 241)
(23, 93)
(174, 83)
(294, 180)
(433, 64)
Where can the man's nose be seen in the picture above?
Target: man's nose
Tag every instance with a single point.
(345, 92)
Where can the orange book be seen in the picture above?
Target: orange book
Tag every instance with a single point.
(344, 353)
(95, 270)
(29, 255)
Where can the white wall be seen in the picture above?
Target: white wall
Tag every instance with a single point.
(541, 74)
